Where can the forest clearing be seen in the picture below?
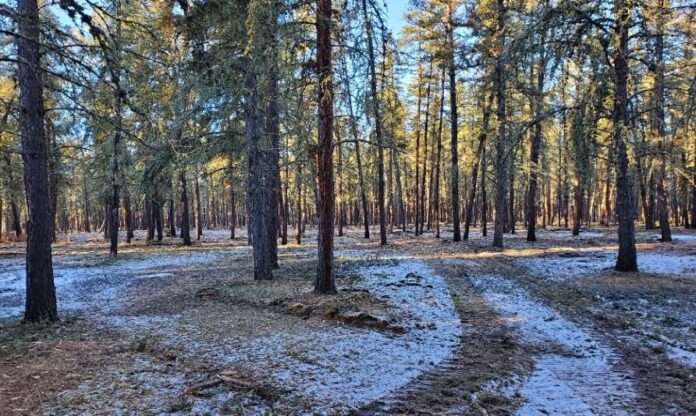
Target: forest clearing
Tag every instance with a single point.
(423, 326)
(348, 207)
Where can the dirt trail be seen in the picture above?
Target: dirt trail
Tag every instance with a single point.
(575, 373)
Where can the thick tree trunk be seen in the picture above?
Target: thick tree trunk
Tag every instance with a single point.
(257, 198)
(537, 138)
(454, 169)
(41, 292)
(324, 282)
(627, 259)
(501, 142)
(273, 156)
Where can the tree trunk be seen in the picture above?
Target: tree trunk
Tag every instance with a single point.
(454, 170)
(150, 220)
(363, 191)
(438, 157)
(378, 124)
(324, 282)
(157, 214)
(298, 190)
(16, 221)
(256, 195)
(659, 123)
(693, 190)
(14, 208)
(41, 292)
(273, 155)
(484, 196)
(199, 214)
(115, 202)
(627, 260)
(469, 213)
(537, 138)
(185, 214)
(421, 213)
(233, 205)
(501, 142)
(129, 216)
(416, 202)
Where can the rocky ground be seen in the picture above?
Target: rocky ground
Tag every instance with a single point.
(422, 326)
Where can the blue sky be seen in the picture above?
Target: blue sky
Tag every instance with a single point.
(396, 10)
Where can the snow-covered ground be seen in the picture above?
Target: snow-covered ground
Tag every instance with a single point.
(685, 238)
(343, 367)
(580, 376)
(97, 285)
(332, 366)
(579, 264)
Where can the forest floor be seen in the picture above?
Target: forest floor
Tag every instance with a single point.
(422, 326)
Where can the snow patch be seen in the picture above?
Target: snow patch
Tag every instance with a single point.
(339, 367)
(566, 266)
(95, 285)
(681, 355)
(349, 367)
(686, 238)
(584, 380)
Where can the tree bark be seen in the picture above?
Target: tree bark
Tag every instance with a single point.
(416, 203)
(233, 202)
(129, 216)
(659, 123)
(438, 157)
(421, 209)
(185, 214)
(627, 259)
(501, 142)
(199, 214)
(454, 170)
(273, 155)
(41, 292)
(325, 282)
(298, 208)
(378, 126)
(537, 138)
(257, 198)
(469, 214)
